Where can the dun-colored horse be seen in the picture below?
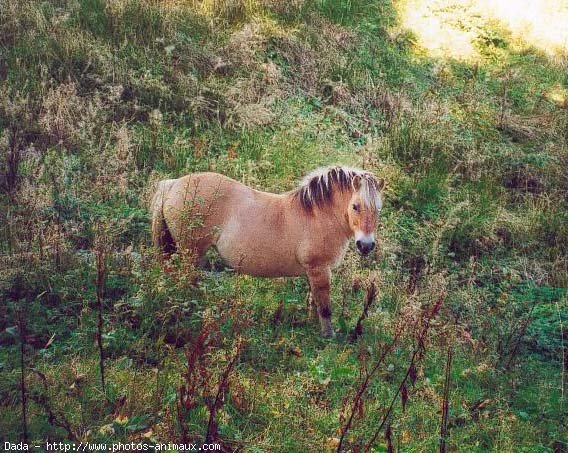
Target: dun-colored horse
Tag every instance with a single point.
(301, 232)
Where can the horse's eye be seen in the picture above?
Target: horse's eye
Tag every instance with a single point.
(356, 207)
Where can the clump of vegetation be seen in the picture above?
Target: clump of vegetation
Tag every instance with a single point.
(454, 329)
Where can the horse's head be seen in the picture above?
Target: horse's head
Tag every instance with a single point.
(363, 210)
(360, 188)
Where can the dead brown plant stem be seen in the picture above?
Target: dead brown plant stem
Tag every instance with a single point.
(23, 388)
(54, 418)
(100, 293)
(388, 438)
(218, 402)
(417, 349)
(370, 299)
(519, 338)
(362, 388)
(391, 405)
(446, 402)
(564, 353)
(195, 377)
(13, 164)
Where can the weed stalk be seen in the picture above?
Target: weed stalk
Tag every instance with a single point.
(446, 402)
(100, 283)
(369, 300)
(419, 346)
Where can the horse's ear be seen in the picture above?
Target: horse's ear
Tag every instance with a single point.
(381, 184)
(357, 182)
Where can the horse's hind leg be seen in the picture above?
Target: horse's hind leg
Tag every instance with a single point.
(320, 282)
(199, 250)
(161, 237)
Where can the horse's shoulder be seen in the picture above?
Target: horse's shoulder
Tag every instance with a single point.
(318, 249)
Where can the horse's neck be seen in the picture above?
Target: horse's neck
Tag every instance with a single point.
(329, 220)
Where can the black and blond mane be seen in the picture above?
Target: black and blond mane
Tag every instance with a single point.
(318, 187)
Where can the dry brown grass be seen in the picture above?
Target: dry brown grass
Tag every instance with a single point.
(67, 118)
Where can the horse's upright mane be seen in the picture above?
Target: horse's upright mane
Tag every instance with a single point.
(318, 187)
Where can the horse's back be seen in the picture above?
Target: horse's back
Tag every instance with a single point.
(209, 183)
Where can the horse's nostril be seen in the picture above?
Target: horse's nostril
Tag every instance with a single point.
(372, 246)
(358, 244)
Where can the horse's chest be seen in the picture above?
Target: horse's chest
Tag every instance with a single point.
(338, 258)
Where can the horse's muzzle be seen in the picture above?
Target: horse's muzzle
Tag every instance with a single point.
(365, 247)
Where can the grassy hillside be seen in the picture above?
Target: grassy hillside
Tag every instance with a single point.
(98, 99)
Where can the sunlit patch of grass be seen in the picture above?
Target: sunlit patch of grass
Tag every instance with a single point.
(455, 28)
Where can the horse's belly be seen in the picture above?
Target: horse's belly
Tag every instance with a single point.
(254, 256)
(257, 269)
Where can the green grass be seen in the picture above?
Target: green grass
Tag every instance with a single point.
(99, 99)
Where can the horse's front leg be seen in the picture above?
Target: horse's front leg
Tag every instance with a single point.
(320, 282)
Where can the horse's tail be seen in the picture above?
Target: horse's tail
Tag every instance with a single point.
(161, 236)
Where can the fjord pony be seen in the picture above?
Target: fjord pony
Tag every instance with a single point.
(302, 232)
